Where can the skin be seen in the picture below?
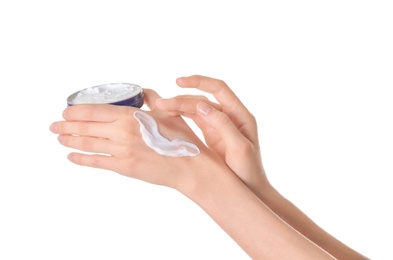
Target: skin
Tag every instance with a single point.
(108, 137)
(230, 131)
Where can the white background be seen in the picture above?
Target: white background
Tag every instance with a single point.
(318, 75)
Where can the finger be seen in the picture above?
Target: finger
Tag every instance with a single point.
(97, 113)
(150, 97)
(93, 160)
(182, 104)
(200, 97)
(218, 88)
(222, 124)
(88, 144)
(82, 128)
(229, 102)
(179, 113)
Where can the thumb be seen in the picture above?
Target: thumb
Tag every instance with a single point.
(222, 124)
(150, 98)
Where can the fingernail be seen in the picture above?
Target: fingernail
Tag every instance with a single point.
(60, 138)
(204, 108)
(53, 128)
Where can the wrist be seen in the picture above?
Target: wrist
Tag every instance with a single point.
(238, 211)
(211, 170)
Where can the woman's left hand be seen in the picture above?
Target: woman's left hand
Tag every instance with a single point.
(109, 138)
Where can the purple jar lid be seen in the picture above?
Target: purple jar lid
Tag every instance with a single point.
(121, 94)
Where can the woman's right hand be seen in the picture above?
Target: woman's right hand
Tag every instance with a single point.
(229, 129)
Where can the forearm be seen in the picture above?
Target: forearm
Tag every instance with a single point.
(302, 223)
(230, 130)
(248, 221)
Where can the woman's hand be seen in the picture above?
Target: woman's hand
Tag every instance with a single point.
(229, 129)
(110, 138)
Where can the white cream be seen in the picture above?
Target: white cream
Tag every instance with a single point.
(161, 145)
(107, 93)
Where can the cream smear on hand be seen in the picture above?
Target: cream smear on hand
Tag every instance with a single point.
(161, 145)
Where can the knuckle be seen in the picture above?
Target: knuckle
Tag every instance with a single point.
(182, 106)
(94, 161)
(125, 132)
(82, 128)
(222, 120)
(86, 144)
(221, 84)
(88, 113)
(124, 115)
(174, 113)
(177, 103)
(244, 148)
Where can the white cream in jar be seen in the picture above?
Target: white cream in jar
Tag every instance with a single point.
(122, 94)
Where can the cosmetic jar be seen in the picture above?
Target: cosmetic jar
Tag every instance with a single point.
(121, 94)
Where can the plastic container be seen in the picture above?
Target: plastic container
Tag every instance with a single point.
(121, 94)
